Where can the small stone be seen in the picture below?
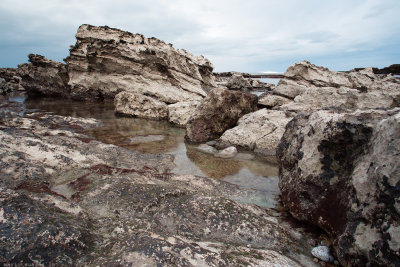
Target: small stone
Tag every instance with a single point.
(228, 152)
(206, 149)
(315, 260)
(322, 253)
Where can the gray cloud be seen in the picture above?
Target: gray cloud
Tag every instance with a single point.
(250, 35)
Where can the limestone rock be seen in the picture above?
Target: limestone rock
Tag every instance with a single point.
(180, 113)
(44, 77)
(259, 131)
(219, 111)
(238, 82)
(312, 88)
(228, 152)
(340, 172)
(141, 106)
(206, 149)
(270, 100)
(322, 253)
(106, 61)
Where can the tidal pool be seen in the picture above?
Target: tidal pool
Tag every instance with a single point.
(247, 170)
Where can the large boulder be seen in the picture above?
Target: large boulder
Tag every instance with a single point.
(106, 61)
(341, 172)
(141, 106)
(44, 77)
(218, 112)
(259, 131)
(180, 113)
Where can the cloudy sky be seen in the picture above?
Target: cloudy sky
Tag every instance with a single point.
(248, 36)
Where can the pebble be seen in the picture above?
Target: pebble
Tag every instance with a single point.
(228, 152)
(322, 253)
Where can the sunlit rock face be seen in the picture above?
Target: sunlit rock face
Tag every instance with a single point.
(106, 61)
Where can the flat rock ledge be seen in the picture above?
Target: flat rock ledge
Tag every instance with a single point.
(67, 199)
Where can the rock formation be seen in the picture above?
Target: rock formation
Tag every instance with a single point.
(9, 81)
(238, 82)
(67, 199)
(138, 105)
(106, 61)
(218, 112)
(260, 131)
(44, 77)
(180, 113)
(341, 172)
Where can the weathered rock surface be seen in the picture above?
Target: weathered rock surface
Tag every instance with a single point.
(67, 199)
(219, 111)
(44, 77)
(312, 88)
(270, 100)
(259, 131)
(341, 172)
(238, 82)
(106, 61)
(138, 105)
(9, 81)
(180, 113)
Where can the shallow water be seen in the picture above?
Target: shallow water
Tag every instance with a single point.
(147, 136)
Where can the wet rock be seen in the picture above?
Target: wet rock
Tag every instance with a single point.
(141, 106)
(259, 131)
(44, 77)
(322, 253)
(219, 111)
(227, 153)
(207, 149)
(180, 113)
(106, 61)
(145, 139)
(340, 171)
(66, 201)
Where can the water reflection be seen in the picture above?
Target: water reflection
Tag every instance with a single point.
(149, 136)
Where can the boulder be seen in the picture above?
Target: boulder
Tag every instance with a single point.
(259, 131)
(106, 61)
(219, 111)
(180, 113)
(141, 106)
(340, 172)
(238, 82)
(44, 77)
(269, 100)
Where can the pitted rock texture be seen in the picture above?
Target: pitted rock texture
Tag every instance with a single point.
(66, 199)
(219, 111)
(141, 106)
(238, 82)
(260, 131)
(9, 81)
(180, 113)
(44, 77)
(106, 61)
(312, 87)
(341, 172)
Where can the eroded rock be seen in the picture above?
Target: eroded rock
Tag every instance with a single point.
(340, 171)
(141, 106)
(180, 113)
(219, 111)
(44, 77)
(106, 61)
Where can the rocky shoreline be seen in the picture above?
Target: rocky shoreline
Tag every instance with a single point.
(69, 199)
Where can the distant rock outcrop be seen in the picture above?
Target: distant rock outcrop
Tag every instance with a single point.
(218, 112)
(44, 77)
(106, 61)
(341, 172)
(9, 81)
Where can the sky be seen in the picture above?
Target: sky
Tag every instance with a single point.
(236, 35)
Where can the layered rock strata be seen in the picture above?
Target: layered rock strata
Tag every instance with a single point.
(218, 112)
(44, 77)
(106, 61)
(341, 172)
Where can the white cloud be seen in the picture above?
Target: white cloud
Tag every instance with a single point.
(235, 35)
